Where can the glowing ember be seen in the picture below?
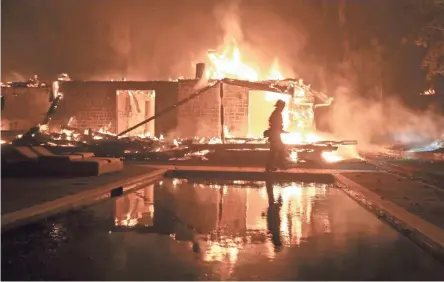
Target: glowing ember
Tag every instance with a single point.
(175, 143)
(71, 119)
(300, 138)
(429, 91)
(331, 157)
(43, 127)
(146, 135)
(105, 130)
(227, 132)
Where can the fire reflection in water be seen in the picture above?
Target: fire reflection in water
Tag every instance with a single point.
(277, 215)
(227, 223)
(135, 208)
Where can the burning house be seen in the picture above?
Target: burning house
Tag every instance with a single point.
(114, 105)
(225, 102)
(227, 98)
(237, 107)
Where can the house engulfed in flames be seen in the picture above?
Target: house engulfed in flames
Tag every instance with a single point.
(239, 107)
(118, 105)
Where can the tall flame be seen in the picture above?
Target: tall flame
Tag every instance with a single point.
(229, 63)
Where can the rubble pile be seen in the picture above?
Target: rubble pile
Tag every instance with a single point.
(32, 82)
(105, 143)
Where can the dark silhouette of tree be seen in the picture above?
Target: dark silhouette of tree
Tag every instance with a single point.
(430, 35)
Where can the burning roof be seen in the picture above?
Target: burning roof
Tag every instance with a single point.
(293, 87)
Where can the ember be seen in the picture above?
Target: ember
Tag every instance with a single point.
(429, 91)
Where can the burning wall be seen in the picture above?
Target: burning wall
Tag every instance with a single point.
(202, 115)
(236, 109)
(95, 104)
(133, 106)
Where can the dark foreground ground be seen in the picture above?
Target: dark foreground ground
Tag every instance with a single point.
(210, 231)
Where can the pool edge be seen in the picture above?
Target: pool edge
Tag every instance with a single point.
(426, 235)
(27, 215)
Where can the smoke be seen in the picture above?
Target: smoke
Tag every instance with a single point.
(228, 17)
(14, 76)
(375, 123)
(141, 40)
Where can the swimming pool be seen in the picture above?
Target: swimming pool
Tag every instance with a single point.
(194, 229)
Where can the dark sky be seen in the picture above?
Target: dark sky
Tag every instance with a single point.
(149, 39)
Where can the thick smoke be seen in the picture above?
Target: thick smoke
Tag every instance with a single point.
(375, 123)
(140, 40)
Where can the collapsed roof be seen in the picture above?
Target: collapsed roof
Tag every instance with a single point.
(287, 86)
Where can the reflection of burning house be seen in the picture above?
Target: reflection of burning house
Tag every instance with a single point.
(202, 208)
(135, 208)
(240, 106)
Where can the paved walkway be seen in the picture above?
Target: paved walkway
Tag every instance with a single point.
(427, 171)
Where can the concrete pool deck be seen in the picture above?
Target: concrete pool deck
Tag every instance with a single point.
(27, 199)
(415, 207)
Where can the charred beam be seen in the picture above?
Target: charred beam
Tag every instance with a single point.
(199, 147)
(222, 113)
(260, 86)
(30, 134)
(318, 143)
(52, 109)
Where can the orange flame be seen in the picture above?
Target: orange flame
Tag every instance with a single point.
(229, 63)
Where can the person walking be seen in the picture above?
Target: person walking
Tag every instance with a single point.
(278, 153)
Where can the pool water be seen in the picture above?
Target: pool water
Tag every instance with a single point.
(182, 229)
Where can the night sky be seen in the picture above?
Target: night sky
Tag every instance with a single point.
(147, 39)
